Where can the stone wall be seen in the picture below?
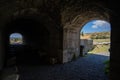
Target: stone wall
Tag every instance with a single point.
(87, 45)
(70, 45)
(1, 51)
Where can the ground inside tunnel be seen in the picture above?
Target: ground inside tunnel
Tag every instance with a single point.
(90, 67)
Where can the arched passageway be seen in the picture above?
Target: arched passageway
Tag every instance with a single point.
(95, 37)
(36, 45)
(65, 19)
(72, 33)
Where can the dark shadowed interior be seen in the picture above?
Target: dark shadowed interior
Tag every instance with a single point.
(51, 29)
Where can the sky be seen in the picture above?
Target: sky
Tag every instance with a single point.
(96, 26)
(16, 35)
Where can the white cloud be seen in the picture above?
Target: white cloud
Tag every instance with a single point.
(94, 26)
(100, 23)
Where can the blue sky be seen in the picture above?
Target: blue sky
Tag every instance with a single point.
(96, 26)
(16, 35)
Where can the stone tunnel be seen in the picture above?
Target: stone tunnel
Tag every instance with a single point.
(52, 28)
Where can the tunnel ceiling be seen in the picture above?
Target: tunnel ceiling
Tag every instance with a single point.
(60, 12)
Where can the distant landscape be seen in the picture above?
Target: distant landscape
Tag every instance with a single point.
(101, 41)
(16, 41)
(96, 35)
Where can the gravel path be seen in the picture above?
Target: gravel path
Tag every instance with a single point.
(90, 67)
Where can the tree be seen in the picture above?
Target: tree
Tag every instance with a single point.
(82, 33)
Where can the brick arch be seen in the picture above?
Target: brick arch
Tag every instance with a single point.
(71, 12)
(71, 39)
(33, 14)
(85, 17)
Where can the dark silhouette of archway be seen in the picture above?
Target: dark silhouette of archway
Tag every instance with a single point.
(36, 44)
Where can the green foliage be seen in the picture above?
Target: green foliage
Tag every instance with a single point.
(100, 35)
(107, 66)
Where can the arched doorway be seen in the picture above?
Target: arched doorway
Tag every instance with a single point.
(16, 39)
(41, 38)
(73, 42)
(27, 40)
(14, 45)
(95, 37)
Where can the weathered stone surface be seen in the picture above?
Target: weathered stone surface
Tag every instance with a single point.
(59, 23)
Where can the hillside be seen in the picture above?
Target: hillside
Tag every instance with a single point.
(96, 35)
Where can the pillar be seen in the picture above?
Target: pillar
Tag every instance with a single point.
(115, 49)
(70, 44)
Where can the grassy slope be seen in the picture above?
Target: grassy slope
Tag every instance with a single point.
(100, 48)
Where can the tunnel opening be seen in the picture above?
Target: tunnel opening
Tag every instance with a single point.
(95, 41)
(15, 39)
(95, 37)
(33, 46)
(15, 44)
